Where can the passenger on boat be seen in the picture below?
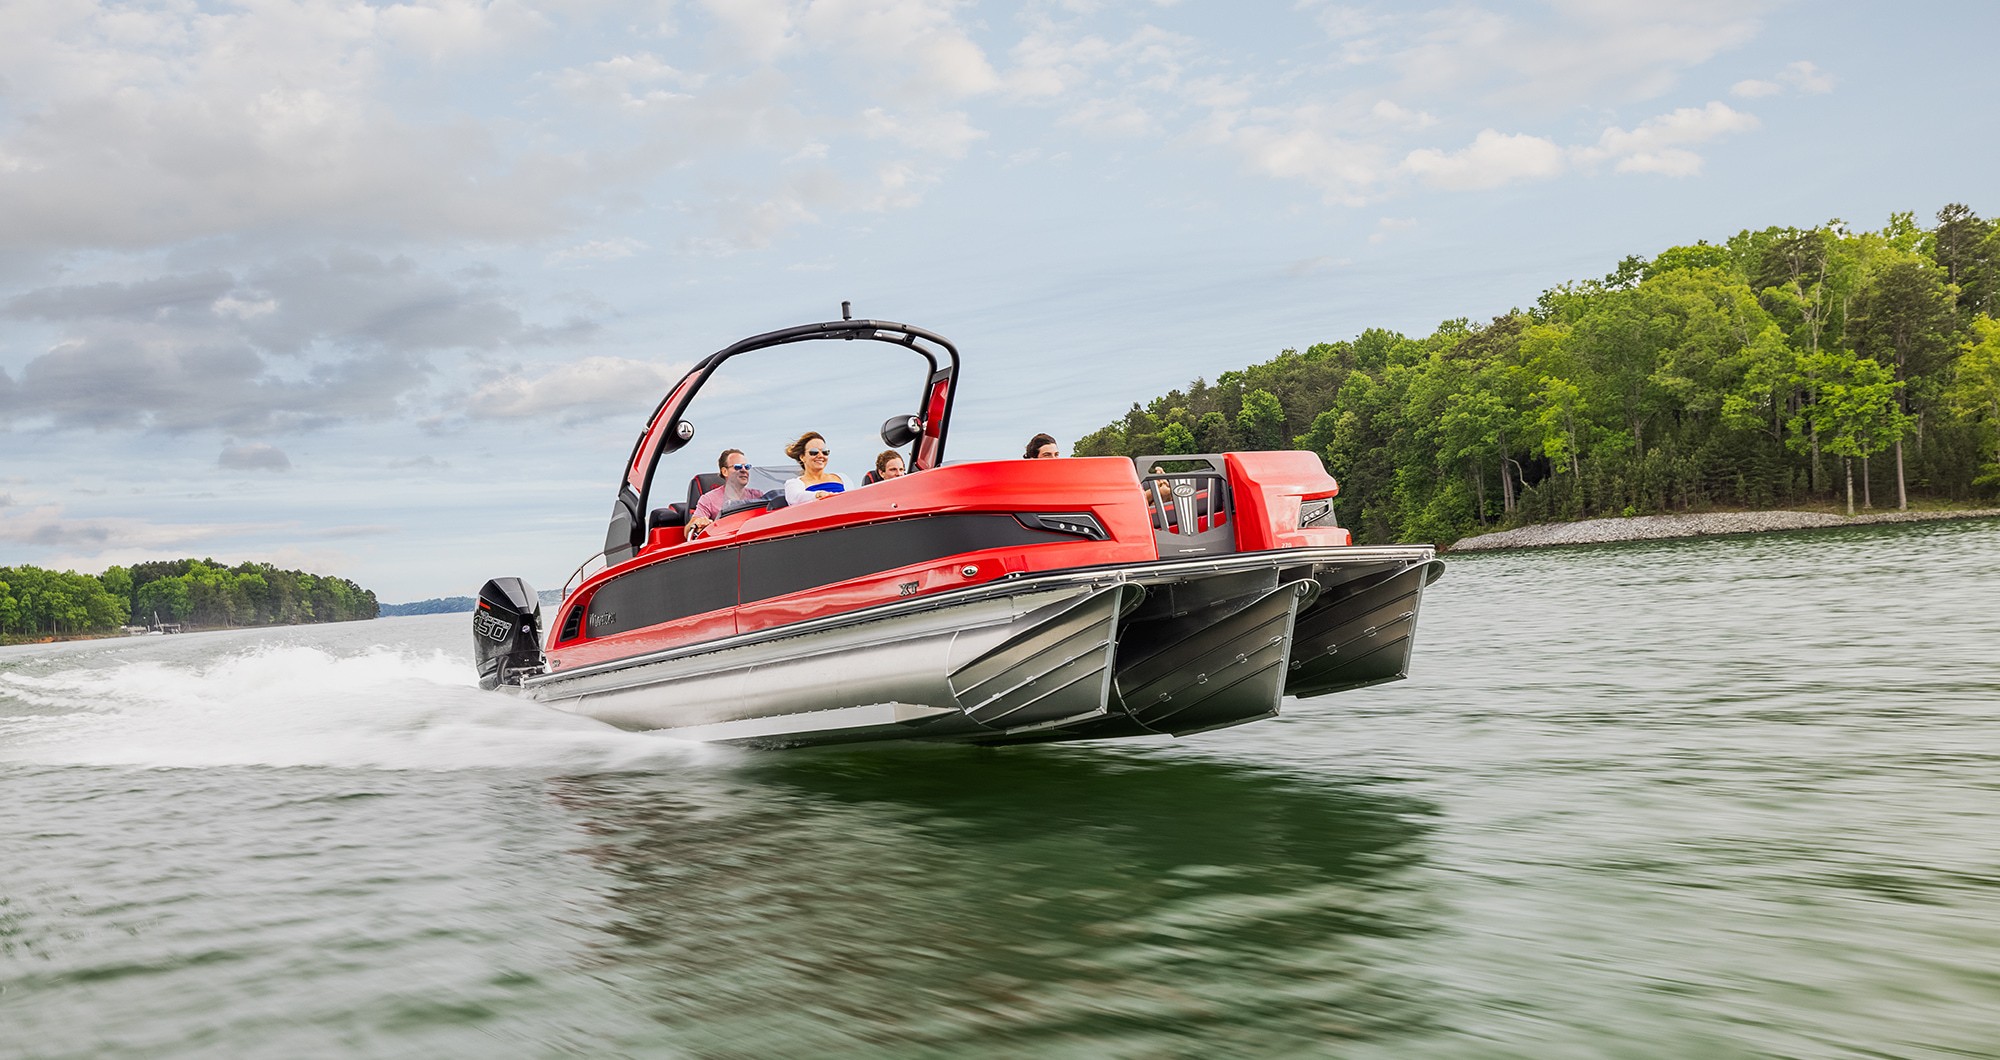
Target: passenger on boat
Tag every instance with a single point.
(1042, 447)
(1160, 486)
(814, 481)
(888, 464)
(735, 469)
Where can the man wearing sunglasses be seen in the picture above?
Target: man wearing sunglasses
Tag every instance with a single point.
(735, 487)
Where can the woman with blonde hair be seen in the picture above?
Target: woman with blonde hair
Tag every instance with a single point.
(814, 480)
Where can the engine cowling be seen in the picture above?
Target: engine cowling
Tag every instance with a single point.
(506, 632)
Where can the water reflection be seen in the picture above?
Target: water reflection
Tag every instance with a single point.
(1032, 899)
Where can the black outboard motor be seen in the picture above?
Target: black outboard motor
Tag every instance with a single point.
(506, 632)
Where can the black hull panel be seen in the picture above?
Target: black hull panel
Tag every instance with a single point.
(1360, 632)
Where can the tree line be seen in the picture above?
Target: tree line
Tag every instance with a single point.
(194, 592)
(1781, 367)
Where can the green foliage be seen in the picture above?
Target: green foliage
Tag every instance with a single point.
(1852, 411)
(37, 602)
(1740, 373)
(1177, 439)
(1975, 393)
(1261, 422)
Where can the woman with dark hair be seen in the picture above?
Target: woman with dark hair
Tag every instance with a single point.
(814, 480)
(1042, 447)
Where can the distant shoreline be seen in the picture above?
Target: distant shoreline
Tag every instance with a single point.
(1706, 524)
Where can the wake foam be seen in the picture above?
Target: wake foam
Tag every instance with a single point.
(292, 705)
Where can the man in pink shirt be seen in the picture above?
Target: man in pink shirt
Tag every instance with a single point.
(735, 487)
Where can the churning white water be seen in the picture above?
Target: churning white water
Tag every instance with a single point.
(294, 698)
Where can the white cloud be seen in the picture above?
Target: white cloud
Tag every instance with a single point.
(899, 185)
(1573, 50)
(1050, 63)
(1492, 159)
(1111, 117)
(633, 82)
(762, 30)
(594, 251)
(253, 456)
(582, 389)
(912, 49)
(136, 130)
(442, 28)
(289, 345)
(1670, 162)
(1800, 76)
(1386, 225)
(947, 133)
(1403, 117)
(1807, 78)
(1312, 266)
(47, 526)
(1659, 145)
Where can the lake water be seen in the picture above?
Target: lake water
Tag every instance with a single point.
(1729, 797)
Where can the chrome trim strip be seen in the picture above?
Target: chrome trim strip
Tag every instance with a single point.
(806, 722)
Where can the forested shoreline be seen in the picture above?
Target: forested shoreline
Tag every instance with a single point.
(1786, 367)
(192, 593)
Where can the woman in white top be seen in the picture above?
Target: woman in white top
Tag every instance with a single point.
(815, 481)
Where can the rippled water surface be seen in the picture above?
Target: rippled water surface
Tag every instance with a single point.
(1733, 797)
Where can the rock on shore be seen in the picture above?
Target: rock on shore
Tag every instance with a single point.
(1655, 527)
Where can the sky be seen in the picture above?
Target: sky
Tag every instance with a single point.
(386, 290)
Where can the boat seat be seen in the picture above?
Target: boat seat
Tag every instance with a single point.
(699, 485)
(871, 478)
(671, 515)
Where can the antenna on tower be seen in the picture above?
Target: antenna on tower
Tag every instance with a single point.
(846, 310)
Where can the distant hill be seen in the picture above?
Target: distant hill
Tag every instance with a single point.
(441, 605)
(451, 605)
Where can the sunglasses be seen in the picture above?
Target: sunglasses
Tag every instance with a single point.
(819, 452)
(739, 467)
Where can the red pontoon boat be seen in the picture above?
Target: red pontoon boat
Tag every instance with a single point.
(992, 602)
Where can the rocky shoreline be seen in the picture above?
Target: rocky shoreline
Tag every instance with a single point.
(1659, 527)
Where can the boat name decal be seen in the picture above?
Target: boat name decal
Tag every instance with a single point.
(906, 588)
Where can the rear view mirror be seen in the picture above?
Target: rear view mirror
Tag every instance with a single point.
(899, 431)
(682, 434)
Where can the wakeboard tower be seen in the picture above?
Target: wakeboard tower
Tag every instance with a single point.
(989, 602)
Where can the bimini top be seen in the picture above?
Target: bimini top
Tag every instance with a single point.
(667, 431)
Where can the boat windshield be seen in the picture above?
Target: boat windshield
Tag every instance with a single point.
(769, 479)
(760, 403)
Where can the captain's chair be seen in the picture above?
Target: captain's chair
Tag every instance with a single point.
(699, 485)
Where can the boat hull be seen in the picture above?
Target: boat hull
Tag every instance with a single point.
(1173, 647)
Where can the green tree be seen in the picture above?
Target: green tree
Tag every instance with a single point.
(167, 598)
(1212, 433)
(1975, 391)
(1854, 410)
(1260, 424)
(1962, 245)
(1904, 319)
